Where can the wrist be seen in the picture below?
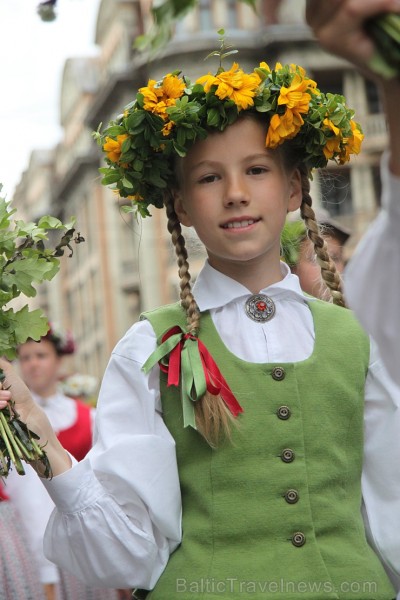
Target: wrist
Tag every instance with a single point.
(56, 460)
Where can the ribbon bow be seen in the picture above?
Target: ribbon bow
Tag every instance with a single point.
(187, 361)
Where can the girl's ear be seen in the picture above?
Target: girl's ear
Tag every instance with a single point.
(295, 191)
(180, 210)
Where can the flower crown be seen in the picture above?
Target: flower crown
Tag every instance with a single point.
(169, 115)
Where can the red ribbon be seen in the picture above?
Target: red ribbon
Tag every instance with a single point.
(215, 381)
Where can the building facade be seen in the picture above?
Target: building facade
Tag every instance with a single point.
(127, 266)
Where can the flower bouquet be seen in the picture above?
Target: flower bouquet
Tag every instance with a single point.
(385, 31)
(24, 260)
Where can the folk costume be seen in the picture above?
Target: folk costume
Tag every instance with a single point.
(295, 470)
(286, 506)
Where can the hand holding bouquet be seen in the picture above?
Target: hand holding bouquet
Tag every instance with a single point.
(365, 32)
(24, 260)
(385, 31)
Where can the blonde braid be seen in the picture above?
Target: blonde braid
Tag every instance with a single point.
(213, 419)
(329, 273)
(187, 299)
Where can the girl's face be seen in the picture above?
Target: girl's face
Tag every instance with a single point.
(39, 365)
(236, 194)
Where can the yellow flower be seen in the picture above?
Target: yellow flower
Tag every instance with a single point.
(166, 130)
(264, 65)
(297, 95)
(158, 97)
(332, 146)
(234, 85)
(352, 145)
(135, 198)
(330, 125)
(283, 127)
(113, 148)
(333, 143)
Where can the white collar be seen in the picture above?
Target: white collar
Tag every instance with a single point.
(214, 289)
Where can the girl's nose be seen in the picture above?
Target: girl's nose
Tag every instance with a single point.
(236, 192)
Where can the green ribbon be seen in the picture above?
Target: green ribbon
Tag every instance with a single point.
(183, 364)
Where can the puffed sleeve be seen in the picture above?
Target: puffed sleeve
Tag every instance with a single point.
(372, 276)
(118, 512)
(381, 469)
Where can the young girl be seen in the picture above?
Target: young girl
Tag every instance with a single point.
(229, 458)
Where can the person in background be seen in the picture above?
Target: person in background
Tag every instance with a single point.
(19, 576)
(298, 251)
(372, 285)
(41, 364)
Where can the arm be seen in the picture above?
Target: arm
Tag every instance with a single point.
(381, 469)
(339, 27)
(372, 277)
(117, 516)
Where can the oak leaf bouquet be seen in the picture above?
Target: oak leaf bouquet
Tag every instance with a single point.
(385, 31)
(25, 259)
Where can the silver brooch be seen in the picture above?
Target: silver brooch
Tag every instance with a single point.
(260, 308)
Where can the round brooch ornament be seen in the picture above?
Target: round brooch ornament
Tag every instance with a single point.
(260, 308)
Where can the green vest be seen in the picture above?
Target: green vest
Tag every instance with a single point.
(276, 512)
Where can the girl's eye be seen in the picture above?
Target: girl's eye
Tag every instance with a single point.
(257, 170)
(208, 179)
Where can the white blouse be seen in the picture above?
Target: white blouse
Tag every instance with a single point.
(118, 513)
(372, 281)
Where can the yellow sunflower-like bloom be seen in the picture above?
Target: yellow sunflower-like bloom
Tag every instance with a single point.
(265, 66)
(158, 97)
(330, 125)
(166, 130)
(113, 148)
(283, 127)
(133, 198)
(333, 145)
(352, 145)
(298, 94)
(234, 85)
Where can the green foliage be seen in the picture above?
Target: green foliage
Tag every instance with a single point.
(385, 31)
(24, 262)
(293, 233)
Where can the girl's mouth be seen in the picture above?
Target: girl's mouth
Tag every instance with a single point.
(239, 224)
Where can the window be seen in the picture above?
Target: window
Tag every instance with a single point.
(373, 100)
(329, 81)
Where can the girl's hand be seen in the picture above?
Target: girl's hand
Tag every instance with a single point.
(28, 411)
(339, 27)
(34, 417)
